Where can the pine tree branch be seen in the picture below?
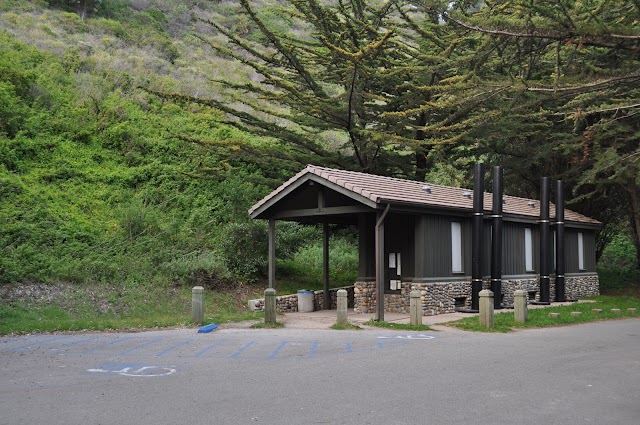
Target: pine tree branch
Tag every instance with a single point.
(589, 86)
(291, 58)
(571, 37)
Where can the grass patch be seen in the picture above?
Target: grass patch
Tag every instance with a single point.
(265, 325)
(539, 317)
(398, 326)
(345, 327)
(58, 308)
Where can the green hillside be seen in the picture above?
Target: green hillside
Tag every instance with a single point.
(135, 134)
(101, 184)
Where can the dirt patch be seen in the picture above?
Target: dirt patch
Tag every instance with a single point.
(64, 295)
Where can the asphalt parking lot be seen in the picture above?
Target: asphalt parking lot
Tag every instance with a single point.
(581, 374)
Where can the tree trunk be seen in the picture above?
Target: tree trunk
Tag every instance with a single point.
(422, 151)
(634, 220)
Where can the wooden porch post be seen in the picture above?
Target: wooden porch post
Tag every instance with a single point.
(325, 266)
(272, 253)
(380, 263)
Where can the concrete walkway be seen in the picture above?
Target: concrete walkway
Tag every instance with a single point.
(323, 319)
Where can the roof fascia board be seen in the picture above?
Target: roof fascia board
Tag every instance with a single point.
(280, 195)
(259, 212)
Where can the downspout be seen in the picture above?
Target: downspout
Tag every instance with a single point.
(380, 266)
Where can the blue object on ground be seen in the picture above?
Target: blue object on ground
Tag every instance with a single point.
(207, 329)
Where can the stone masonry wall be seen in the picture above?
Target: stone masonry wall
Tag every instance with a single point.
(289, 303)
(440, 297)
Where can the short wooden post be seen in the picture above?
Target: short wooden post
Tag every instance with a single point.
(632, 310)
(342, 307)
(270, 305)
(415, 312)
(615, 311)
(486, 308)
(197, 304)
(520, 310)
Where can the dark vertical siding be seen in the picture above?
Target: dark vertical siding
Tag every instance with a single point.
(486, 254)
(399, 237)
(366, 245)
(467, 233)
(439, 246)
(589, 239)
(571, 251)
(513, 249)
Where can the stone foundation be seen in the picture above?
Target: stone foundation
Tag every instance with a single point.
(289, 303)
(445, 297)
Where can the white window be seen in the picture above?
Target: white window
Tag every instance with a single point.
(456, 247)
(580, 251)
(528, 249)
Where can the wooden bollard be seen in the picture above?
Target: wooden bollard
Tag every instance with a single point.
(554, 315)
(520, 310)
(270, 305)
(415, 310)
(615, 311)
(596, 311)
(576, 313)
(342, 307)
(632, 310)
(486, 308)
(197, 304)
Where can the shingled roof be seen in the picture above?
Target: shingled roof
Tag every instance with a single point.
(380, 190)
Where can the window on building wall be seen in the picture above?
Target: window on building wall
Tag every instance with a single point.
(580, 251)
(528, 249)
(456, 247)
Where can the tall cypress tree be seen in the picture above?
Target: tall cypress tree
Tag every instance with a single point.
(373, 86)
(570, 75)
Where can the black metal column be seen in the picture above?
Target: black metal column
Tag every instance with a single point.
(496, 239)
(477, 235)
(544, 240)
(560, 287)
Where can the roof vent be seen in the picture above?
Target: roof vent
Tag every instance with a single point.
(466, 194)
(426, 188)
(531, 203)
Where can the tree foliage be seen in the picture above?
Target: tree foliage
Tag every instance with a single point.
(373, 86)
(570, 104)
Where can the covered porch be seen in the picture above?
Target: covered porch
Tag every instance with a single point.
(309, 198)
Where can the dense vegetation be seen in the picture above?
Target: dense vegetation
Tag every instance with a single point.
(135, 134)
(96, 186)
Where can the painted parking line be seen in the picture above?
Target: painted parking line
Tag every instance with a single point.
(138, 346)
(277, 350)
(164, 352)
(146, 344)
(242, 350)
(34, 344)
(108, 345)
(74, 343)
(314, 349)
(209, 348)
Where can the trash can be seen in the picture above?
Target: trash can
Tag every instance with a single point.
(305, 301)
